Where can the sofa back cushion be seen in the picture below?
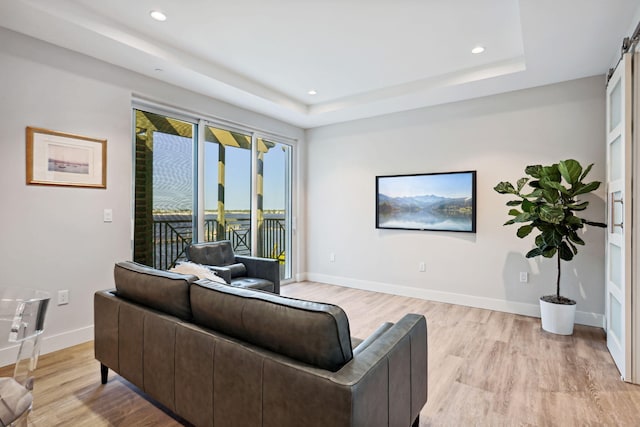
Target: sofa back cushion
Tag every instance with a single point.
(161, 290)
(212, 253)
(310, 332)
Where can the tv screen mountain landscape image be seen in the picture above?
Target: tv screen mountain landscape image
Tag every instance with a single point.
(430, 201)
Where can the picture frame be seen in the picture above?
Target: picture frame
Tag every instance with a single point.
(427, 202)
(65, 159)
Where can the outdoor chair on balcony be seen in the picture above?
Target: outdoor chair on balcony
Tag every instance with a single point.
(237, 270)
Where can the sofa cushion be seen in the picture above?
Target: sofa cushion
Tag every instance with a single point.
(160, 290)
(211, 253)
(237, 270)
(311, 332)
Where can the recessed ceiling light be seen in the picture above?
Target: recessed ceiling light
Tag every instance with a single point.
(477, 49)
(312, 92)
(158, 16)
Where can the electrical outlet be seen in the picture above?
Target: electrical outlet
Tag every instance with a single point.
(422, 267)
(524, 277)
(63, 297)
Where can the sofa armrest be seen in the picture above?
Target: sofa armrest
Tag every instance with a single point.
(362, 345)
(387, 380)
(397, 361)
(263, 268)
(411, 327)
(106, 309)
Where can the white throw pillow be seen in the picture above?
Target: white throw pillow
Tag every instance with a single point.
(199, 270)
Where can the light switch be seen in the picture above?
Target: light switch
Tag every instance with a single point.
(108, 215)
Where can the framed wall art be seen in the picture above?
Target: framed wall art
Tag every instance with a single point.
(429, 201)
(58, 158)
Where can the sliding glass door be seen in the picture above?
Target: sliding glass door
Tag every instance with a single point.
(248, 205)
(164, 189)
(274, 203)
(245, 188)
(227, 188)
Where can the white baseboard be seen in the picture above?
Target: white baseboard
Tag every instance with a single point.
(50, 343)
(525, 309)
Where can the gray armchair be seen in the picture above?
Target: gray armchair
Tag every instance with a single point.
(237, 270)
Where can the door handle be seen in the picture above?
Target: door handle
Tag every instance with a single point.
(613, 223)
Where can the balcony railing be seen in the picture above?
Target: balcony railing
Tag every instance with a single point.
(173, 233)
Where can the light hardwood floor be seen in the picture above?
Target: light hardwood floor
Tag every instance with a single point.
(486, 368)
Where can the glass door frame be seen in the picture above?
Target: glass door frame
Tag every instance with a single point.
(289, 191)
(288, 200)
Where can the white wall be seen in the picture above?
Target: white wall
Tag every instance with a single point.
(54, 238)
(497, 136)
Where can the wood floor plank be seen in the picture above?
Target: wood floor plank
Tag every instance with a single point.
(486, 368)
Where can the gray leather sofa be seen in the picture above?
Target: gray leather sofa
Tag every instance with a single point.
(218, 355)
(237, 270)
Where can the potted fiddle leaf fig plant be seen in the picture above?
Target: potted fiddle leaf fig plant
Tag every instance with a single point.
(550, 208)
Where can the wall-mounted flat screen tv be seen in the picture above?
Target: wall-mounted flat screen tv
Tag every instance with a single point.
(428, 201)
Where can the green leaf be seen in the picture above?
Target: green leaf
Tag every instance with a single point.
(533, 170)
(586, 171)
(551, 214)
(557, 186)
(514, 202)
(509, 222)
(527, 206)
(565, 252)
(534, 194)
(524, 231)
(534, 253)
(544, 183)
(573, 221)
(549, 253)
(539, 241)
(521, 183)
(573, 236)
(551, 196)
(505, 188)
(514, 212)
(523, 217)
(551, 172)
(588, 188)
(552, 238)
(573, 247)
(578, 206)
(570, 170)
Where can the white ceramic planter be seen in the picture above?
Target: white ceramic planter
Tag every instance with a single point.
(557, 318)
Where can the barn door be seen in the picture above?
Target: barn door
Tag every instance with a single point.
(619, 201)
